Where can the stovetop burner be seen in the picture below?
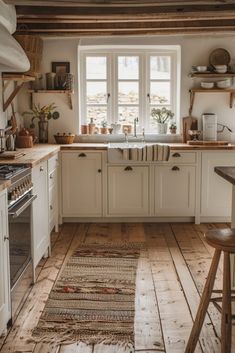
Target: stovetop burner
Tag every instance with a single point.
(8, 171)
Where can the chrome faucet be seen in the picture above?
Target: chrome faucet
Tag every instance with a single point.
(135, 123)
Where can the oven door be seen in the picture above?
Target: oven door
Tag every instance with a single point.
(20, 251)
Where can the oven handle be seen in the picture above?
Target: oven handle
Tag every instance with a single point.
(19, 210)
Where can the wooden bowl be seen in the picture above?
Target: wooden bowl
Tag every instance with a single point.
(64, 139)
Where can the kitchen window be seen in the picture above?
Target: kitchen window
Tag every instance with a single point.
(119, 85)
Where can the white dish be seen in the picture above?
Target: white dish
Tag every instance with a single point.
(201, 68)
(223, 84)
(207, 85)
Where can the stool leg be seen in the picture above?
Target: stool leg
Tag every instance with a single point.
(226, 320)
(205, 299)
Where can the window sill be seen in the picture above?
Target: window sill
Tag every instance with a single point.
(121, 137)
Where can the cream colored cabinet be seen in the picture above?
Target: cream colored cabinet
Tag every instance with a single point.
(216, 193)
(40, 213)
(53, 193)
(4, 265)
(128, 190)
(174, 190)
(81, 184)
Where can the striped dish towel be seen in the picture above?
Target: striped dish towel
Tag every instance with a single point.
(148, 153)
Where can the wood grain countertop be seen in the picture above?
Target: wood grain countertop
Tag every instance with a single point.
(35, 155)
(4, 184)
(42, 152)
(228, 173)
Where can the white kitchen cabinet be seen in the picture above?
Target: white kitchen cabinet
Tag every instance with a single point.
(4, 264)
(53, 193)
(216, 193)
(128, 190)
(40, 213)
(174, 193)
(82, 184)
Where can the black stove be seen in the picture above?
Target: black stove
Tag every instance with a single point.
(7, 171)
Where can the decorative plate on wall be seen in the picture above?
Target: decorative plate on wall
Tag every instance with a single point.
(219, 56)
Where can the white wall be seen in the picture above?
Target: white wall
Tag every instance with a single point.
(195, 51)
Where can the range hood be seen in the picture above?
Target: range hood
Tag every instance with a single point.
(12, 56)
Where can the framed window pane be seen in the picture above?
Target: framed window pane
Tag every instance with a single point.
(96, 92)
(96, 67)
(127, 114)
(128, 92)
(97, 113)
(160, 93)
(128, 67)
(160, 67)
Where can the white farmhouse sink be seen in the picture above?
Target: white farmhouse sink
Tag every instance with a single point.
(129, 144)
(115, 150)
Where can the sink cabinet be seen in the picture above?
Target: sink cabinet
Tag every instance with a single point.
(128, 190)
(4, 265)
(174, 190)
(81, 184)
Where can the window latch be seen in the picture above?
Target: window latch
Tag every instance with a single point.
(149, 99)
(108, 96)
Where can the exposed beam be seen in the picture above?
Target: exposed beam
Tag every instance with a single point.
(115, 3)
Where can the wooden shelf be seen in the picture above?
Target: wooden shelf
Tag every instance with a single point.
(211, 75)
(193, 91)
(53, 91)
(19, 81)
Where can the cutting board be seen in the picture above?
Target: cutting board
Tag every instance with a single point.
(189, 123)
(11, 154)
(208, 143)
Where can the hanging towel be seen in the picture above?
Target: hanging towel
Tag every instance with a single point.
(148, 153)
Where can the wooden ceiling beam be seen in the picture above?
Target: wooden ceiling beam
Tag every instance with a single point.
(115, 3)
(127, 18)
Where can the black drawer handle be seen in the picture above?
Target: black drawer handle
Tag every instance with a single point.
(99, 170)
(175, 168)
(82, 155)
(176, 154)
(128, 168)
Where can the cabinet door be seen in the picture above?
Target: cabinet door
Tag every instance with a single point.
(81, 184)
(4, 264)
(174, 190)
(41, 238)
(53, 199)
(128, 191)
(216, 193)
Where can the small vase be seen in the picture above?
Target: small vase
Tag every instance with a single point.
(43, 131)
(161, 128)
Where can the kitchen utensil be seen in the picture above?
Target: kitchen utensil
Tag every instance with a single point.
(189, 123)
(24, 141)
(219, 56)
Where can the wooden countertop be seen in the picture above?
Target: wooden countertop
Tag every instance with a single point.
(228, 173)
(34, 155)
(43, 152)
(4, 184)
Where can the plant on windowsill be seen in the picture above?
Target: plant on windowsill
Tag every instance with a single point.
(161, 118)
(173, 128)
(104, 127)
(43, 114)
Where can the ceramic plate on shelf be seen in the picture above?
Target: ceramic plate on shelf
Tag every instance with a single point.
(219, 56)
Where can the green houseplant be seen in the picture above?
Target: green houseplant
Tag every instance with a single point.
(43, 114)
(161, 117)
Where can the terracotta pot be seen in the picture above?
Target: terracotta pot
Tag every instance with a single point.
(173, 131)
(104, 130)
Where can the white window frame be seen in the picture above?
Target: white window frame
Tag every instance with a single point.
(144, 53)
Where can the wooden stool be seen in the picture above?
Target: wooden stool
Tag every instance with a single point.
(221, 240)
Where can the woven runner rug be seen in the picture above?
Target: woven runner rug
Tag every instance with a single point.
(93, 300)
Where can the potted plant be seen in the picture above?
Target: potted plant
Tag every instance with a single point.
(173, 128)
(161, 117)
(104, 127)
(43, 114)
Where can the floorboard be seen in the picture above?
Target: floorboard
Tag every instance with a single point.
(170, 277)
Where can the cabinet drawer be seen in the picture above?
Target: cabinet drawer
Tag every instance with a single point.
(182, 157)
(52, 163)
(39, 171)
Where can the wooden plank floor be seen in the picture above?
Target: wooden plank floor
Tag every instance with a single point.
(170, 278)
